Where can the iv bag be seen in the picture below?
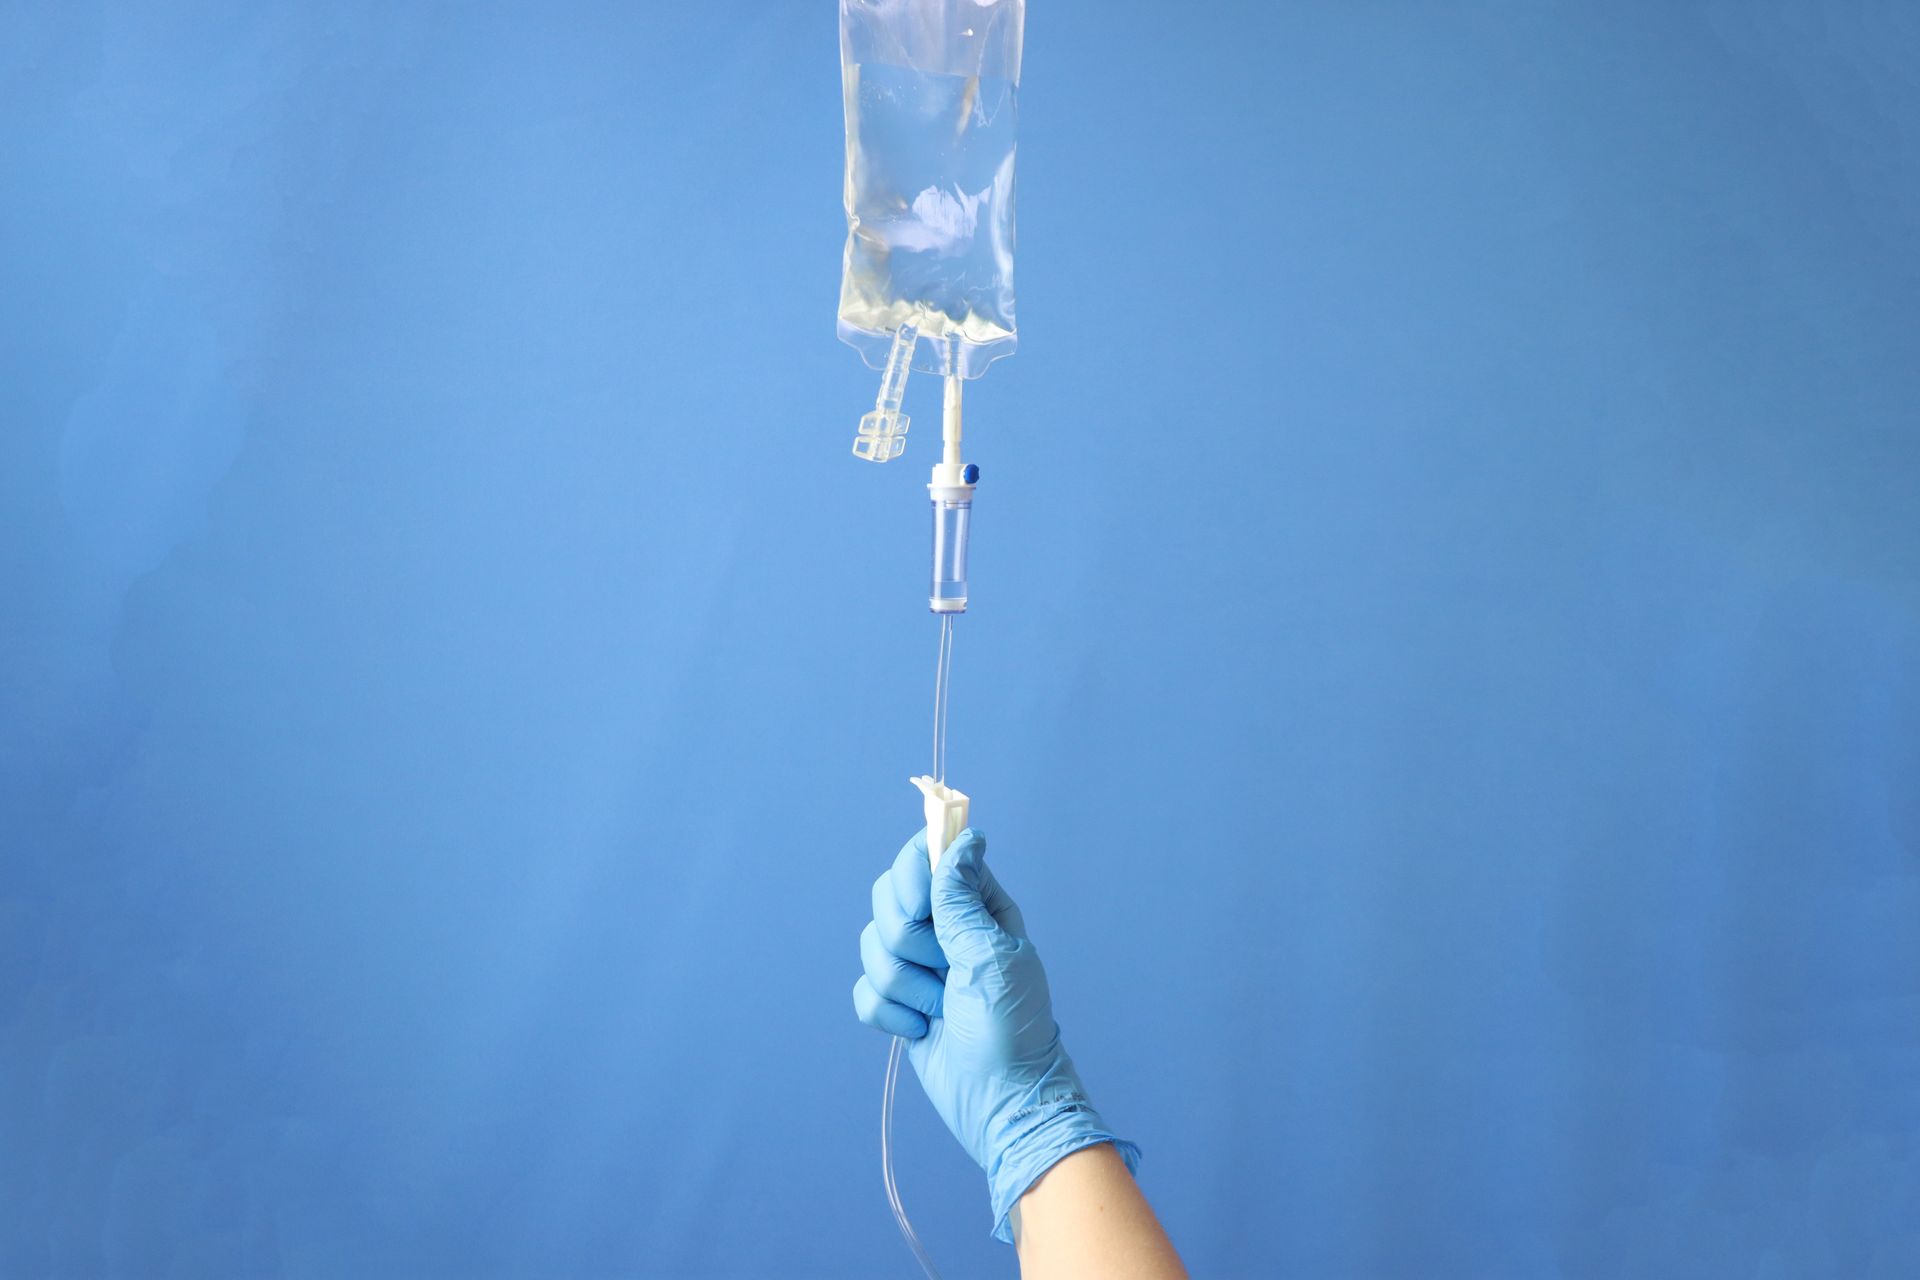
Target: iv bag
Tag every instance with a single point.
(930, 89)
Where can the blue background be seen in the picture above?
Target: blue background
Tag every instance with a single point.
(1444, 679)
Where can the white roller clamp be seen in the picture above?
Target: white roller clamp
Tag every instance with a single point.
(946, 811)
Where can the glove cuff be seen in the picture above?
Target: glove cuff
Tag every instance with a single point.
(1056, 1122)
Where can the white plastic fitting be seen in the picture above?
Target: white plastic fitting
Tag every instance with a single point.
(946, 811)
(949, 471)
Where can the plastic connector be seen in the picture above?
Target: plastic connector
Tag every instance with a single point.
(883, 431)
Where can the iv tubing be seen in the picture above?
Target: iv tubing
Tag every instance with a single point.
(886, 1161)
(942, 665)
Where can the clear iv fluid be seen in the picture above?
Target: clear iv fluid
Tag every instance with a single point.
(930, 204)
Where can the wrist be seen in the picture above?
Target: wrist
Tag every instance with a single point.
(1052, 1121)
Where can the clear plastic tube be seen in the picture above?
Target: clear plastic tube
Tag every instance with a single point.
(951, 515)
(886, 1160)
(942, 665)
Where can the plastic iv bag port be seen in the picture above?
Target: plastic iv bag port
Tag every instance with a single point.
(883, 430)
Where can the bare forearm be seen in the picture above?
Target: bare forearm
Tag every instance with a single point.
(1086, 1218)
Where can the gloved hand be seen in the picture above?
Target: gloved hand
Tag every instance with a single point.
(949, 968)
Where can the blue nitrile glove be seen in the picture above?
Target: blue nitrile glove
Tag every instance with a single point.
(948, 967)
